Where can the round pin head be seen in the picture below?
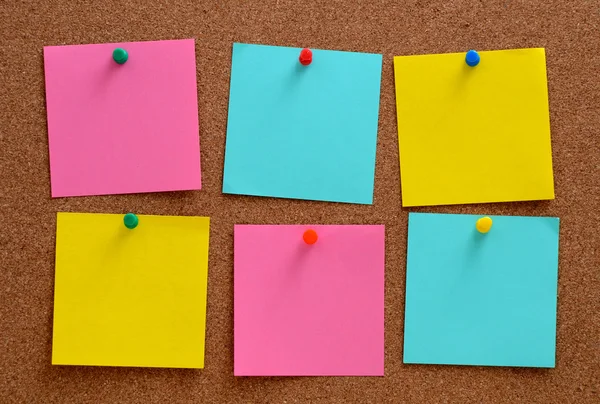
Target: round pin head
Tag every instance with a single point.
(305, 56)
(484, 224)
(310, 236)
(472, 58)
(130, 220)
(120, 55)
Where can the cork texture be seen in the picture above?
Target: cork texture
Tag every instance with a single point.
(569, 30)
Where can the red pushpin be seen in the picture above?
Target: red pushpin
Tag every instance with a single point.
(310, 236)
(305, 58)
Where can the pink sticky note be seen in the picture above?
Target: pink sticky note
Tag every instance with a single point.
(309, 310)
(116, 129)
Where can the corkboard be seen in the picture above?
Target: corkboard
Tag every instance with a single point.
(567, 29)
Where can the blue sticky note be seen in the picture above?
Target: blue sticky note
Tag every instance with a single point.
(481, 299)
(302, 132)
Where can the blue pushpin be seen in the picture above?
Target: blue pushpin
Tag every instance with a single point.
(472, 58)
(131, 221)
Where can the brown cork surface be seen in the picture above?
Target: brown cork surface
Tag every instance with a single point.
(570, 32)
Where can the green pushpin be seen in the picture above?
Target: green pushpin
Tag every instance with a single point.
(131, 221)
(120, 55)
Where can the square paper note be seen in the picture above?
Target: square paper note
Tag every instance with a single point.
(474, 134)
(122, 128)
(308, 310)
(481, 299)
(304, 132)
(130, 297)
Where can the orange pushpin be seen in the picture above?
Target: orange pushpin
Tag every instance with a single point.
(310, 236)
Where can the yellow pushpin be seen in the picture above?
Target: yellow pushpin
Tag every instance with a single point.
(484, 224)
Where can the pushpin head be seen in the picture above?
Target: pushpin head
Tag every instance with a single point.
(120, 55)
(310, 236)
(484, 224)
(472, 58)
(305, 56)
(130, 220)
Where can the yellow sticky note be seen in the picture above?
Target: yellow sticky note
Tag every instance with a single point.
(130, 297)
(473, 134)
